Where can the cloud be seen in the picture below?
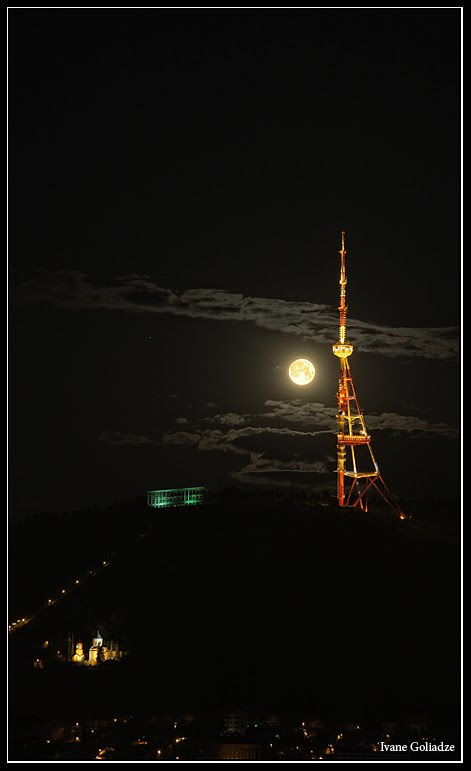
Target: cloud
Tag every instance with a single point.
(313, 414)
(117, 438)
(410, 424)
(227, 440)
(316, 322)
(183, 438)
(230, 432)
(304, 419)
(230, 419)
(260, 464)
(318, 416)
(232, 441)
(277, 471)
(222, 441)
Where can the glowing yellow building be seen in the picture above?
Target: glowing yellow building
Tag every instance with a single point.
(79, 656)
(97, 652)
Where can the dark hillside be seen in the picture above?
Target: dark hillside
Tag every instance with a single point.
(265, 603)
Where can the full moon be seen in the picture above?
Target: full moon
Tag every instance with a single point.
(301, 371)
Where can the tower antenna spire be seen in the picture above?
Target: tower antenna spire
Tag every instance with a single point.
(353, 441)
(343, 292)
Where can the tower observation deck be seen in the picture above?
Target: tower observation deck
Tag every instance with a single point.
(357, 469)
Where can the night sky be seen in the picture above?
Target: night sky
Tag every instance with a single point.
(178, 181)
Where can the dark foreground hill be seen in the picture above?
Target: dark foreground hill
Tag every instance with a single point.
(274, 606)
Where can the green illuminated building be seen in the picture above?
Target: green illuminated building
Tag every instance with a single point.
(178, 496)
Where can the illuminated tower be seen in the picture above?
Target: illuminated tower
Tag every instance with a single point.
(353, 441)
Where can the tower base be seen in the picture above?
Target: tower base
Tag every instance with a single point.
(358, 496)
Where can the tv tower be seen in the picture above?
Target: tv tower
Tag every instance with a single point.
(353, 441)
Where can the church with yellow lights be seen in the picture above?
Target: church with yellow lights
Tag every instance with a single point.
(98, 652)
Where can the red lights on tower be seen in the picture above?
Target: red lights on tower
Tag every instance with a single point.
(353, 441)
